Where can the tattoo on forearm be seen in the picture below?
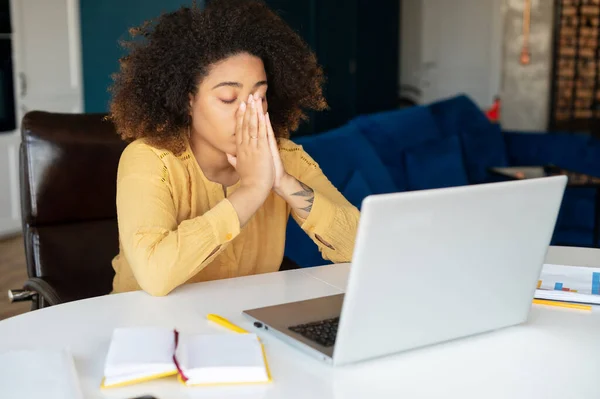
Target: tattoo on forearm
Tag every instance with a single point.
(308, 193)
(310, 204)
(305, 192)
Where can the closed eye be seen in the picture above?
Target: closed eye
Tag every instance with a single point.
(229, 101)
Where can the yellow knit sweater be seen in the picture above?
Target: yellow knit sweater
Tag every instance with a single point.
(176, 226)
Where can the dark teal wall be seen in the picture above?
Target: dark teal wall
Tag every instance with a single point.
(103, 24)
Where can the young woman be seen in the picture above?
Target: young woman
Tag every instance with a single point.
(207, 184)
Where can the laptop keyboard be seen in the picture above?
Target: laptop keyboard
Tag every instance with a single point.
(322, 332)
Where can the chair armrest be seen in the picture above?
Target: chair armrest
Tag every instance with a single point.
(33, 289)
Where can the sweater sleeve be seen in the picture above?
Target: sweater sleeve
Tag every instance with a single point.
(163, 253)
(332, 222)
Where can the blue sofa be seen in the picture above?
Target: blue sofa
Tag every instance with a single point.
(447, 143)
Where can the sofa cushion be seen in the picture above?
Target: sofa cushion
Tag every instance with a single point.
(482, 142)
(574, 151)
(572, 237)
(356, 189)
(577, 209)
(392, 132)
(482, 150)
(341, 152)
(435, 164)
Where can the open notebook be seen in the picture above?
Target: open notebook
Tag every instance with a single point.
(147, 353)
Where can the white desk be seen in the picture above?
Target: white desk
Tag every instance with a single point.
(555, 355)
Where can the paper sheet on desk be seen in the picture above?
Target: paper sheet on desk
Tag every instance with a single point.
(569, 283)
(44, 374)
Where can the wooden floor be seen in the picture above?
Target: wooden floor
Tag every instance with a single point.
(12, 275)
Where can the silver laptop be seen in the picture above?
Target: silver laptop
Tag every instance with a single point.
(428, 267)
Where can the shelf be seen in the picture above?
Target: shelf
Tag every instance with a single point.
(575, 97)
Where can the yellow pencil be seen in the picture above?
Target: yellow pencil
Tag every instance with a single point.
(225, 323)
(562, 304)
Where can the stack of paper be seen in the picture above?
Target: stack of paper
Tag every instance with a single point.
(38, 374)
(569, 284)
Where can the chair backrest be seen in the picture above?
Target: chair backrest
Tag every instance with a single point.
(68, 190)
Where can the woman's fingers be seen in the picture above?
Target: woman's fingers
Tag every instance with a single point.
(239, 117)
(247, 120)
(271, 133)
(272, 140)
(262, 125)
(253, 125)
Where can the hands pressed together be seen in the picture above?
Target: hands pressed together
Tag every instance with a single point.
(257, 160)
(259, 165)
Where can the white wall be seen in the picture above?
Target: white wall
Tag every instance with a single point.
(452, 46)
(47, 53)
(10, 212)
(411, 18)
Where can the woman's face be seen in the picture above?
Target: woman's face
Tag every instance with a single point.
(213, 108)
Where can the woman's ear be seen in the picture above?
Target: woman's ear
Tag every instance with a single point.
(191, 98)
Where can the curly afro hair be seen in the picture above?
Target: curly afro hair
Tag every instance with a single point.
(168, 57)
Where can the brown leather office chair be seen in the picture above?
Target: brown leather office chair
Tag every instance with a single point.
(68, 166)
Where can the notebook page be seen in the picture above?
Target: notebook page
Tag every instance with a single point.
(38, 374)
(231, 358)
(140, 348)
(222, 350)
